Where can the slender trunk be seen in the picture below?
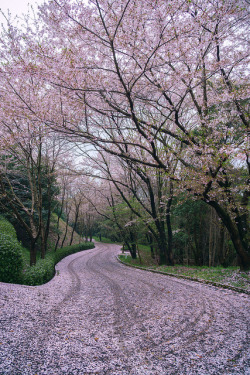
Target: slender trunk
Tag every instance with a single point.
(169, 228)
(74, 227)
(210, 238)
(139, 254)
(133, 244)
(43, 247)
(66, 230)
(47, 228)
(58, 218)
(150, 241)
(32, 252)
(239, 244)
(221, 256)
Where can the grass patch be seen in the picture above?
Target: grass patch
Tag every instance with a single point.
(229, 276)
(104, 239)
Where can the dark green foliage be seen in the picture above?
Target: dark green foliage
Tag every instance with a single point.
(39, 274)
(7, 228)
(68, 250)
(44, 269)
(16, 186)
(12, 257)
(11, 261)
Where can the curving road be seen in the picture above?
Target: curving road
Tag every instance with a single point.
(98, 316)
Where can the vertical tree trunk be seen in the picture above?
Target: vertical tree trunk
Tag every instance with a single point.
(242, 252)
(133, 245)
(169, 227)
(47, 228)
(210, 238)
(66, 230)
(43, 246)
(75, 223)
(32, 252)
(162, 245)
(150, 241)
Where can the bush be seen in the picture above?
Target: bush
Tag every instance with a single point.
(68, 250)
(7, 228)
(11, 260)
(44, 269)
(41, 273)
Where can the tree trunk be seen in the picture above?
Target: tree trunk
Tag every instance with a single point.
(43, 245)
(75, 223)
(46, 235)
(133, 244)
(139, 254)
(242, 251)
(169, 228)
(210, 238)
(162, 244)
(66, 231)
(150, 241)
(32, 252)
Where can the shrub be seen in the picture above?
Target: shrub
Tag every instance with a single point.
(7, 228)
(68, 250)
(11, 260)
(44, 269)
(39, 274)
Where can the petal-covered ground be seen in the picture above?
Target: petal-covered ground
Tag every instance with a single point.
(97, 316)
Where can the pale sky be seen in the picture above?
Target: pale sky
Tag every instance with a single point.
(16, 7)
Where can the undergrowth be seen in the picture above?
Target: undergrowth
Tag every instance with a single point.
(228, 276)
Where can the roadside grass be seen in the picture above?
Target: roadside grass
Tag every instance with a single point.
(230, 276)
(104, 240)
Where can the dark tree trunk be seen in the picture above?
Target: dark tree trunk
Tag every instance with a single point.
(46, 235)
(58, 220)
(169, 227)
(133, 245)
(242, 249)
(32, 252)
(66, 231)
(74, 227)
(150, 241)
(162, 245)
(133, 251)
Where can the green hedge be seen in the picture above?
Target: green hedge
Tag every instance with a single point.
(44, 269)
(68, 250)
(11, 259)
(7, 228)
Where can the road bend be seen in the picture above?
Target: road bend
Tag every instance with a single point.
(97, 316)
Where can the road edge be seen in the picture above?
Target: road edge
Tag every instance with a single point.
(218, 285)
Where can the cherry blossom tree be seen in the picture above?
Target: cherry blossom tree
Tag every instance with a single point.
(148, 80)
(137, 73)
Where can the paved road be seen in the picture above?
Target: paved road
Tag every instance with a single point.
(98, 316)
